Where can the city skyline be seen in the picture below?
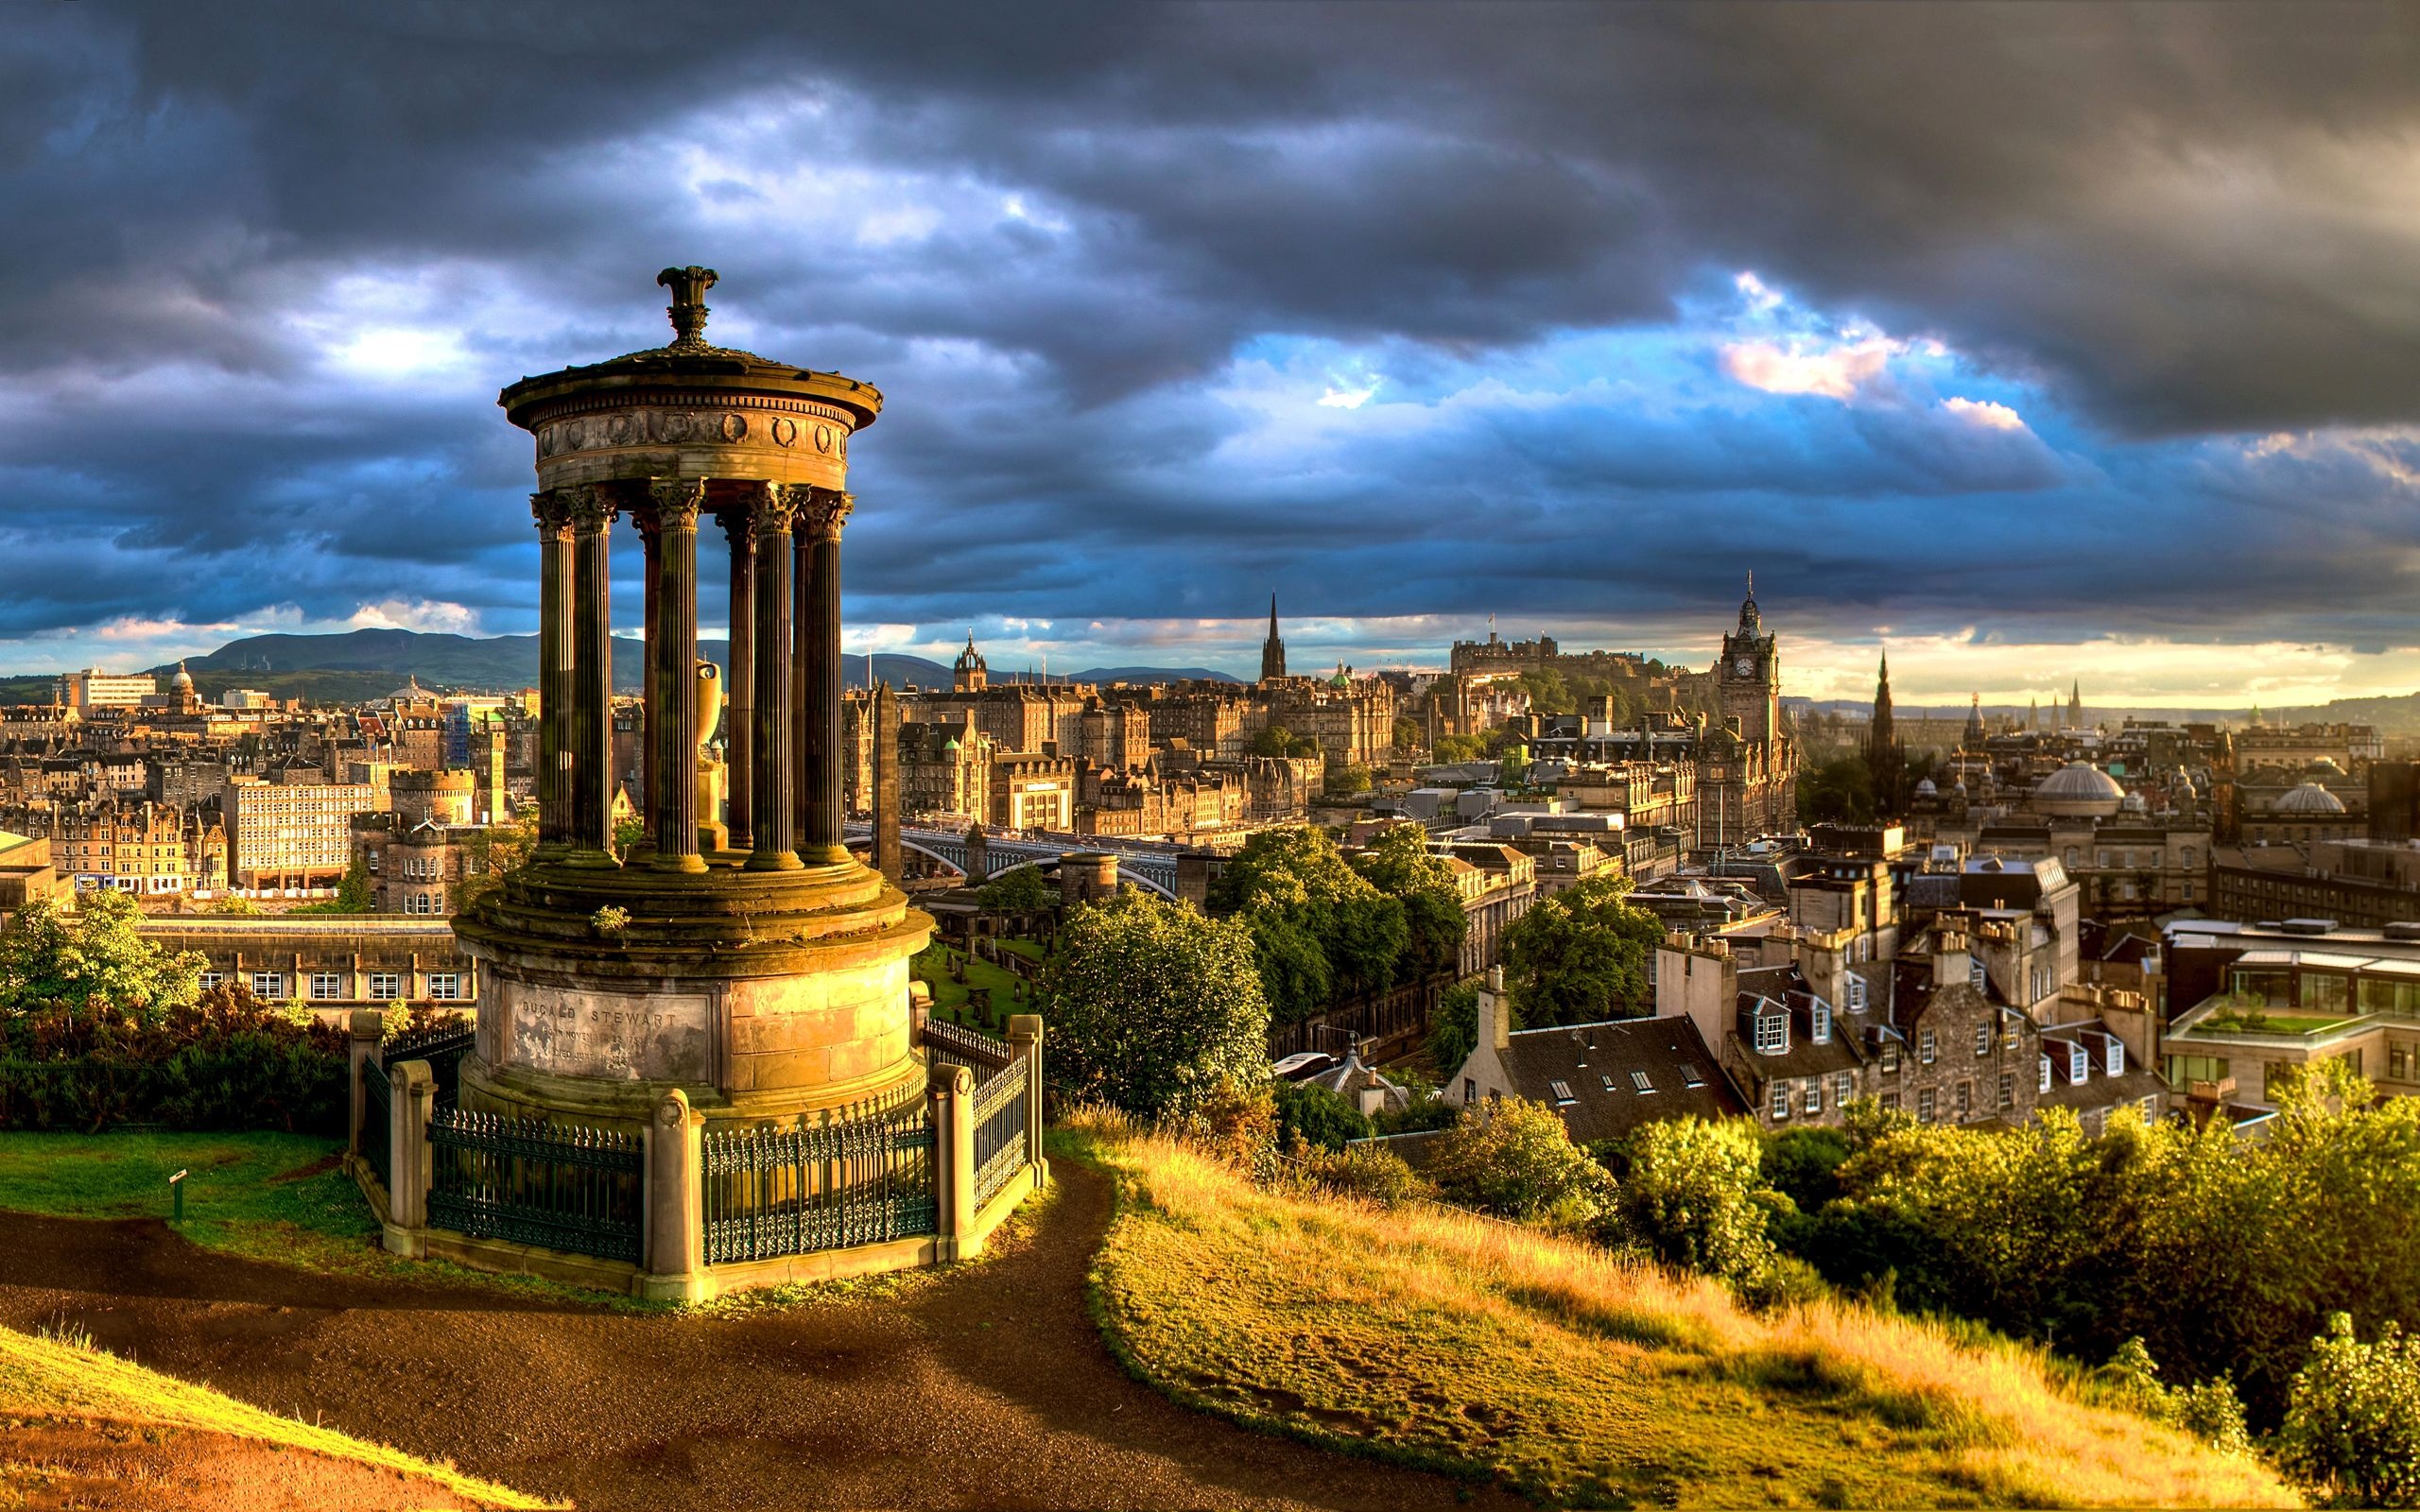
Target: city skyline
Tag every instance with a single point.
(1411, 338)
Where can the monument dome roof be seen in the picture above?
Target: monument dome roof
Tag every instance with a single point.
(2079, 780)
(2307, 798)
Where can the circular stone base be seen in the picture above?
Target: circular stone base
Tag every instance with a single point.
(764, 996)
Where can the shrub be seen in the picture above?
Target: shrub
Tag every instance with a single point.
(2209, 1412)
(2352, 1428)
(1366, 1172)
(1518, 1161)
(1150, 1007)
(1311, 1115)
(226, 1061)
(1690, 1197)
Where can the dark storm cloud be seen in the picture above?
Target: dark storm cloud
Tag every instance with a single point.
(2164, 223)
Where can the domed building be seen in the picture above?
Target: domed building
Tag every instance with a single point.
(2078, 791)
(2300, 816)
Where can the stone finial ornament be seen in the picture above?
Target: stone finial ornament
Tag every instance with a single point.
(688, 307)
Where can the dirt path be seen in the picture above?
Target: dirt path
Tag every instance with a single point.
(988, 1388)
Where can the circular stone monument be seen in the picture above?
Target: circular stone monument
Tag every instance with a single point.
(744, 958)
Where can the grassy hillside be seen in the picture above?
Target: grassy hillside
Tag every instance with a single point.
(1450, 1340)
(82, 1424)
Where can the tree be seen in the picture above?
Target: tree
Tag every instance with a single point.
(1406, 736)
(1581, 955)
(1347, 780)
(1455, 749)
(1274, 739)
(1837, 792)
(1518, 1161)
(1153, 1007)
(1453, 1029)
(91, 958)
(1690, 1196)
(354, 894)
(2352, 1428)
(1549, 693)
(1311, 1116)
(492, 854)
(1018, 891)
(1399, 865)
(1318, 928)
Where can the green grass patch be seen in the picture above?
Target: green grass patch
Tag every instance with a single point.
(1030, 949)
(69, 1379)
(932, 966)
(1441, 1339)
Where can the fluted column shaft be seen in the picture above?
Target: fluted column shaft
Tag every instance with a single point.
(739, 731)
(773, 774)
(801, 647)
(650, 699)
(672, 687)
(552, 510)
(591, 720)
(820, 521)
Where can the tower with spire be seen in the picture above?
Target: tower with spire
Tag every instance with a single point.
(2075, 705)
(1885, 764)
(970, 673)
(1272, 650)
(1976, 733)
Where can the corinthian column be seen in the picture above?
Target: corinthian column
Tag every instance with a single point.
(552, 510)
(592, 723)
(672, 694)
(775, 846)
(740, 730)
(825, 511)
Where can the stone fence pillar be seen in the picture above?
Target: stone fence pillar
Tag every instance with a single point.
(951, 1091)
(676, 1236)
(1025, 1038)
(414, 1088)
(363, 1030)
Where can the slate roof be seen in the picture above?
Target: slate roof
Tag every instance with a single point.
(1589, 1074)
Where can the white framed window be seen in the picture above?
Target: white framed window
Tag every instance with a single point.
(268, 986)
(446, 986)
(1819, 1022)
(1562, 1089)
(2113, 1058)
(1965, 1100)
(1781, 1101)
(326, 985)
(1772, 1033)
(1857, 994)
(1976, 976)
(2008, 1089)
(2079, 1064)
(1814, 1094)
(2045, 1074)
(1640, 1081)
(385, 987)
(1983, 1037)
(1925, 1046)
(1890, 1056)
(211, 979)
(1844, 1087)
(1924, 1106)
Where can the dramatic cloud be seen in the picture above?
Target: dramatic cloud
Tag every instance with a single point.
(2074, 327)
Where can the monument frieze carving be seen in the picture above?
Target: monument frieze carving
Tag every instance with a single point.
(744, 422)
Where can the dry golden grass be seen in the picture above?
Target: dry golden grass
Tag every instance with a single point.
(1447, 1339)
(42, 1378)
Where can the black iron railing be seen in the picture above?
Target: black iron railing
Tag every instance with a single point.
(951, 1044)
(528, 1181)
(858, 1179)
(999, 1131)
(442, 1046)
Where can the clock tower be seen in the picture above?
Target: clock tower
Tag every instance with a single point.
(1747, 679)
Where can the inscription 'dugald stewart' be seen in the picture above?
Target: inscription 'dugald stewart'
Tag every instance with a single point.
(574, 1033)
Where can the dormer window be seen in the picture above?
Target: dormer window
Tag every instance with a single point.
(1772, 1030)
(1976, 976)
(1819, 1026)
(2045, 1074)
(2112, 1058)
(2079, 1065)
(1857, 994)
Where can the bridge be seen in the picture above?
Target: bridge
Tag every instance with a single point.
(1149, 866)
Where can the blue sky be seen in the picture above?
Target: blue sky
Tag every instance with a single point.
(2033, 344)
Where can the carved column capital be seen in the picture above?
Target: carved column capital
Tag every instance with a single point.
(551, 508)
(771, 511)
(821, 512)
(593, 506)
(676, 502)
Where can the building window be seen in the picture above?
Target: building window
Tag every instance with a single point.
(1891, 1101)
(1890, 1056)
(2112, 1058)
(1639, 1080)
(1470, 1092)
(1925, 1046)
(1977, 977)
(1772, 1034)
(211, 979)
(445, 987)
(1562, 1089)
(385, 987)
(326, 985)
(1814, 1094)
(2008, 1089)
(1983, 1037)
(1924, 1106)
(2045, 1074)
(1844, 1087)
(1781, 1101)
(1966, 1099)
(1691, 1077)
(268, 986)
(2079, 1065)
(1857, 994)
(1820, 1024)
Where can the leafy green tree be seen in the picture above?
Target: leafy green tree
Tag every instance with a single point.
(2209, 1411)
(1319, 927)
(1020, 892)
(1689, 1194)
(1452, 749)
(1406, 736)
(1518, 1161)
(1153, 1008)
(1837, 792)
(2352, 1428)
(1274, 739)
(1453, 1029)
(1549, 693)
(91, 958)
(1399, 865)
(1581, 956)
(1311, 1116)
(354, 894)
(230, 904)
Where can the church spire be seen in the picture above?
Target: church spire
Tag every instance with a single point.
(1272, 650)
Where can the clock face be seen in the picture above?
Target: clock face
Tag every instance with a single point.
(1745, 666)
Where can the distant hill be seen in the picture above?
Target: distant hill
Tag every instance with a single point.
(357, 665)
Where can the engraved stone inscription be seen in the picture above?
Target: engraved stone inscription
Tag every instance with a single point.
(574, 1032)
